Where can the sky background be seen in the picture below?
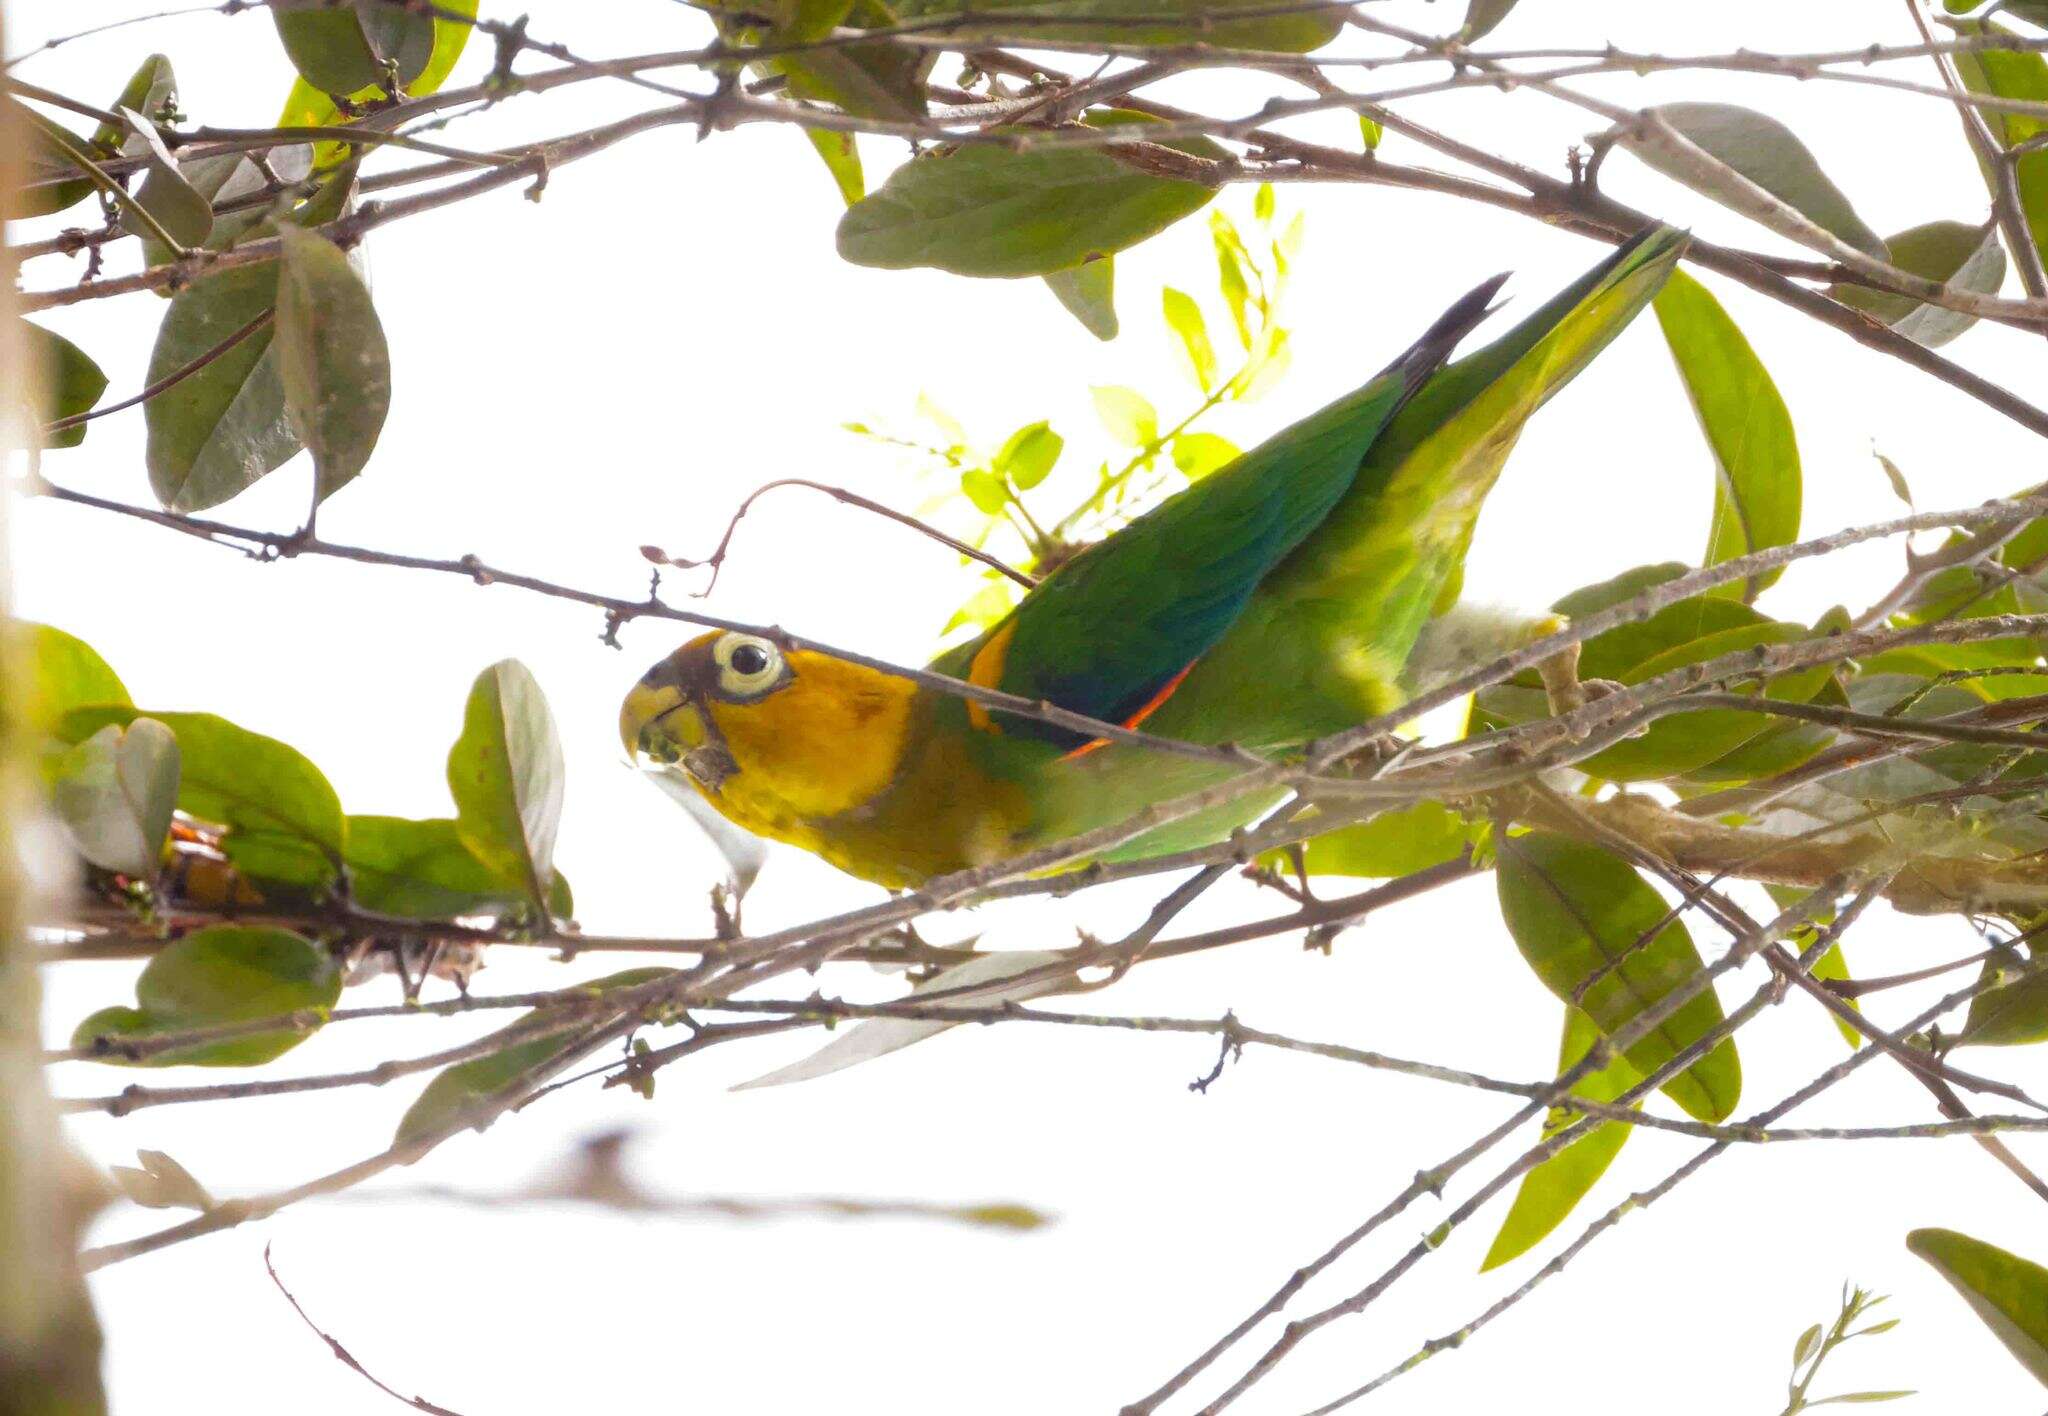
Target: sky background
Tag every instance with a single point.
(619, 364)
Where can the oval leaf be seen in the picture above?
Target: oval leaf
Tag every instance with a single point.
(283, 820)
(1761, 149)
(1390, 844)
(987, 211)
(1088, 291)
(331, 358)
(506, 773)
(214, 976)
(70, 382)
(115, 792)
(67, 673)
(2008, 1292)
(1552, 1189)
(2018, 74)
(177, 206)
(1952, 252)
(225, 426)
(1756, 457)
(341, 48)
(422, 870)
(1578, 914)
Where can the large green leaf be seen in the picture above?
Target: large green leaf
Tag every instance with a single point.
(989, 211)
(66, 673)
(422, 870)
(1578, 913)
(2013, 1016)
(1153, 22)
(2020, 74)
(529, 1044)
(1390, 844)
(178, 207)
(506, 773)
(215, 976)
(1958, 255)
(343, 47)
(1552, 1189)
(1756, 457)
(309, 107)
(225, 426)
(1767, 153)
(114, 793)
(152, 90)
(70, 382)
(283, 820)
(2008, 1292)
(331, 358)
(1088, 291)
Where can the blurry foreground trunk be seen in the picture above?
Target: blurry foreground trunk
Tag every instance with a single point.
(49, 1339)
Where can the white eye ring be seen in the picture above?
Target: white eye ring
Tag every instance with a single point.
(748, 666)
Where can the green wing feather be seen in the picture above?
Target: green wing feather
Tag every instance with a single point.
(1322, 642)
(1112, 628)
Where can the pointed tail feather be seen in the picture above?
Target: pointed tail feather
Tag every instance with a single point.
(1427, 354)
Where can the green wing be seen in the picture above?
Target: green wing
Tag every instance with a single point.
(1323, 641)
(1113, 628)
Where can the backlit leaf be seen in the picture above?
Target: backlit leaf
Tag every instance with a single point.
(1184, 318)
(1028, 456)
(1088, 291)
(2008, 1292)
(1756, 456)
(1126, 414)
(506, 774)
(70, 382)
(66, 673)
(1552, 1189)
(1583, 917)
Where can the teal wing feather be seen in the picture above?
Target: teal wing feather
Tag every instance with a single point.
(1113, 628)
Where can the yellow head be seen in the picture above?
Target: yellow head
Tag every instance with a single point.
(777, 741)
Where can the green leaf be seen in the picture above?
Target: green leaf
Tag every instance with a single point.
(219, 975)
(1370, 133)
(331, 358)
(1027, 458)
(2017, 74)
(1808, 1344)
(1197, 455)
(1390, 844)
(1625, 586)
(2013, 1016)
(340, 48)
(1184, 318)
(1481, 16)
(1860, 1398)
(2008, 1292)
(1960, 256)
(225, 426)
(114, 793)
(1127, 415)
(71, 383)
(283, 820)
(227, 178)
(1553, 1188)
(152, 90)
(178, 207)
(475, 1083)
(1578, 914)
(422, 870)
(1756, 456)
(66, 673)
(1088, 291)
(309, 107)
(507, 776)
(1232, 280)
(988, 211)
(1768, 154)
(1208, 21)
(842, 159)
(986, 490)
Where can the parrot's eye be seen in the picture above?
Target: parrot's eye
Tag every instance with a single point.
(747, 667)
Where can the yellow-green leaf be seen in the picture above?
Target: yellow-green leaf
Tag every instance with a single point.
(2008, 1292)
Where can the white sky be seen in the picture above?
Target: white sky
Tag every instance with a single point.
(620, 364)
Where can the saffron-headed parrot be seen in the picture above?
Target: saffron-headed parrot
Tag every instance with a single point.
(1274, 602)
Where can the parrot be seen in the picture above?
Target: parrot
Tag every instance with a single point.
(1272, 603)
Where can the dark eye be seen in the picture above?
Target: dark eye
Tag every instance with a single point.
(749, 659)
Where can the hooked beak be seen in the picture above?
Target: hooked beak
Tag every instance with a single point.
(661, 723)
